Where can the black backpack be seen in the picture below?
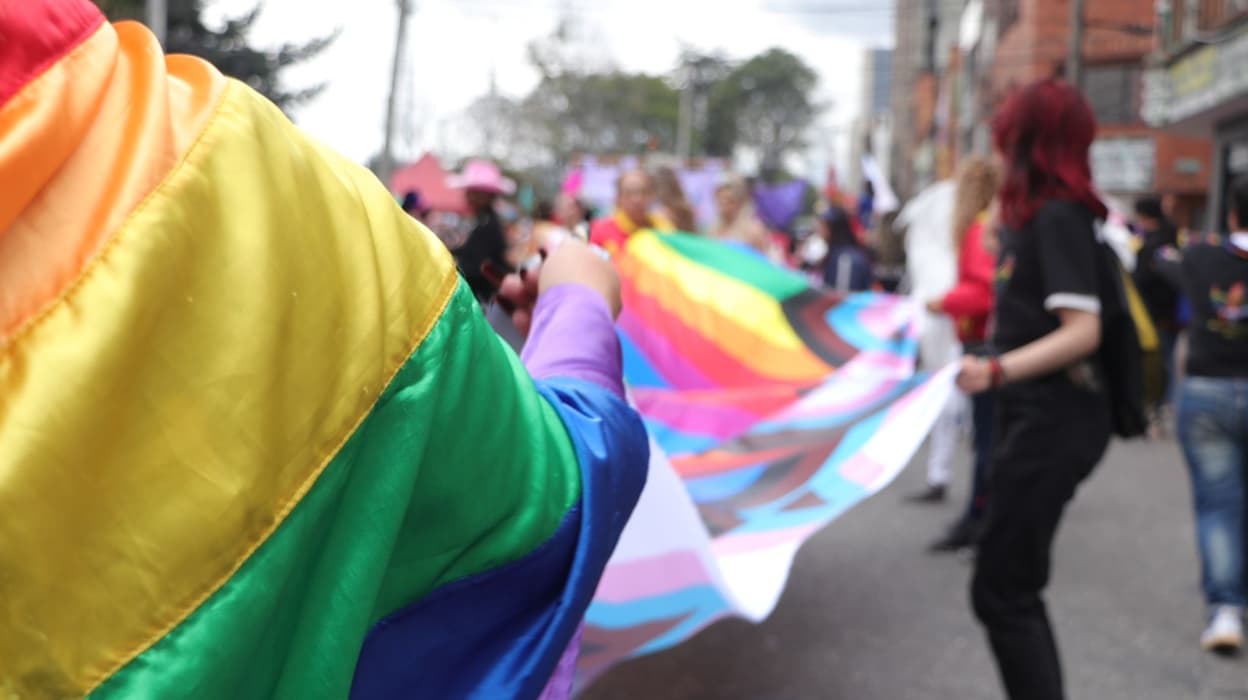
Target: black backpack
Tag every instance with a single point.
(1121, 356)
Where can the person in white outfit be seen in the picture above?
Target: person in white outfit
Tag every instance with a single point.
(932, 268)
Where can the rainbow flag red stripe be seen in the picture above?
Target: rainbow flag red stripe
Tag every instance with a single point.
(780, 406)
(235, 380)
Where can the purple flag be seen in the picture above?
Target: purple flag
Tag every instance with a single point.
(779, 205)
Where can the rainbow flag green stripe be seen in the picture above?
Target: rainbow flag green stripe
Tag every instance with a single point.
(258, 440)
(355, 535)
(738, 263)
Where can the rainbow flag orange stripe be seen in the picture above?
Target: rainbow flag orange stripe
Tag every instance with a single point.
(780, 406)
(234, 380)
(716, 338)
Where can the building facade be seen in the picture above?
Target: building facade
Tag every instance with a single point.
(1130, 157)
(1198, 86)
(872, 130)
(984, 49)
(924, 33)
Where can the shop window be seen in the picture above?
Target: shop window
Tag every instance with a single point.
(1113, 91)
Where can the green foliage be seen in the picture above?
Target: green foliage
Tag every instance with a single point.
(583, 104)
(700, 73)
(766, 104)
(611, 112)
(227, 48)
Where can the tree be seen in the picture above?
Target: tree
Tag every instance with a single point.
(572, 47)
(765, 104)
(584, 104)
(227, 47)
(613, 112)
(695, 75)
(497, 131)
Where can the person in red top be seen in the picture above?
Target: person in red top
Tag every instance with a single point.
(634, 198)
(969, 303)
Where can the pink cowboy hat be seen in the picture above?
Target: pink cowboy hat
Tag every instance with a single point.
(483, 176)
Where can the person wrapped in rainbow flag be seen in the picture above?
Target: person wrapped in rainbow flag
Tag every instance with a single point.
(256, 438)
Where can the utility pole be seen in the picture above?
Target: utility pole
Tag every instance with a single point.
(493, 119)
(1074, 61)
(684, 122)
(158, 19)
(400, 50)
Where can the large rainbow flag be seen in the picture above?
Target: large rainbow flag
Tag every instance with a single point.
(256, 438)
(773, 406)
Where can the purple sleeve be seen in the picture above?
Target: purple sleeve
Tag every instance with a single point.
(573, 336)
(561, 681)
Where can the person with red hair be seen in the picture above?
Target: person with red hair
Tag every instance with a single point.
(1053, 415)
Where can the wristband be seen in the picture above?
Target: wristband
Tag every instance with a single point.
(997, 372)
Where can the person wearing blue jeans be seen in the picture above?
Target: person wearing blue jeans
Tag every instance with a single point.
(1213, 430)
(1213, 414)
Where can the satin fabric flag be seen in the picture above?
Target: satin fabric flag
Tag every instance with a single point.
(773, 408)
(256, 438)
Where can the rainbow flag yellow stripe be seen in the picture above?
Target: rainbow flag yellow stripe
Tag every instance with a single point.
(234, 380)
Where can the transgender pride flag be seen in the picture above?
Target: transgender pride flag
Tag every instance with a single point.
(774, 408)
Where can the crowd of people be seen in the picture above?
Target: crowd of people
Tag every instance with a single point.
(1023, 300)
(835, 252)
(490, 589)
(1041, 399)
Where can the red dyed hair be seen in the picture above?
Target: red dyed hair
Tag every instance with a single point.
(1043, 132)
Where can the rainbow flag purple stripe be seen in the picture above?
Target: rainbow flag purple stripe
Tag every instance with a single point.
(773, 408)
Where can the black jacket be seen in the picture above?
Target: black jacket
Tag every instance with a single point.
(1158, 295)
(486, 242)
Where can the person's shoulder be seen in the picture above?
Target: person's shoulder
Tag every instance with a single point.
(975, 230)
(1203, 257)
(1062, 211)
(1197, 247)
(603, 223)
(601, 227)
(1200, 241)
(606, 232)
(1062, 219)
(1204, 251)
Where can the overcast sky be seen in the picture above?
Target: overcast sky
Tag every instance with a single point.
(454, 45)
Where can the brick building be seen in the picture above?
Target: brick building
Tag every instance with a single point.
(926, 31)
(1198, 86)
(1130, 157)
(908, 64)
(871, 132)
(985, 48)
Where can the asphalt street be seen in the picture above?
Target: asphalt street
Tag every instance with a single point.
(870, 615)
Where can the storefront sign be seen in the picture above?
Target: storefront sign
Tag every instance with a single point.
(1188, 166)
(1198, 81)
(1237, 158)
(1124, 165)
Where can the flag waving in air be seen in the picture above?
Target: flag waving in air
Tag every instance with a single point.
(773, 408)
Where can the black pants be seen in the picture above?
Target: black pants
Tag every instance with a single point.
(1049, 436)
(982, 415)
